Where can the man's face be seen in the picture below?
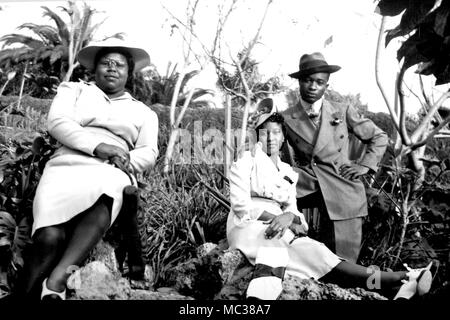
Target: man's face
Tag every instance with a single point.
(313, 86)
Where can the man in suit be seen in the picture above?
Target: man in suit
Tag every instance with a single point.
(318, 149)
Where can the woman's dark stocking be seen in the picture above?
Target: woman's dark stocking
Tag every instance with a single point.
(88, 228)
(350, 275)
(48, 243)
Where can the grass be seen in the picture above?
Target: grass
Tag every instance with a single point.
(179, 215)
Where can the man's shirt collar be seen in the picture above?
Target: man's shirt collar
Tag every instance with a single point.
(315, 107)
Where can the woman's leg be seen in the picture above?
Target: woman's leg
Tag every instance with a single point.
(48, 243)
(88, 228)
(347, 274)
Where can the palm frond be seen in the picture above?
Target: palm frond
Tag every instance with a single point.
(201, 92)
(48, 34)
(63, 30)
(15, 55)
(15, 38)
(84, 27)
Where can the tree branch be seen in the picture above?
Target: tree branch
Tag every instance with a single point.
(255, 38)
(423, 125)
(431, 134)
(392, 112)
(401, 96)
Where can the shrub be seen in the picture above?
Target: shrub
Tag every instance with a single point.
(179, 214)
(20, 169)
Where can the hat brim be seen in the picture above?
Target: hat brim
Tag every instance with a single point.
(327, 69)
(87, 55)
(262, 118)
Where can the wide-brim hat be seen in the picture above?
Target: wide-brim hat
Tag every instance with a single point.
(86, 56)
(313, 63)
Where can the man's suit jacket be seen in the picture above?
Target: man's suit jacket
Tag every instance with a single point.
(317, 156)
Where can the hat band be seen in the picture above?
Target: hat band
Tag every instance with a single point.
(312, 64)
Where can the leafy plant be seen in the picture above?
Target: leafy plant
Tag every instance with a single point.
(231, 81)
(405, 226)
(20, 169)
(426, 25)
(151, 87)
(179, 215)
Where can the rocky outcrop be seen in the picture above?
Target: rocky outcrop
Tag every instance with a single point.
(309, 289)
(217, 273)
(223, 274)
(100, 279)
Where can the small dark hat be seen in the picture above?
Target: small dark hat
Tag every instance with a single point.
(313, 63)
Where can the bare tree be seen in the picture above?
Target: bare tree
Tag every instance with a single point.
(215, 54)
(413, 144)
(175, 120)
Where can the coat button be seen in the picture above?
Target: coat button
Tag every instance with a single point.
(339, 150)
(342, 136)
(335, 162)
(314, 164)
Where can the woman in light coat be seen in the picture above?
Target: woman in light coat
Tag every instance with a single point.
(266, 226)
(104, 133)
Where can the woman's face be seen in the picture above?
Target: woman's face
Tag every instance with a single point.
(271, 137)
(111, 73)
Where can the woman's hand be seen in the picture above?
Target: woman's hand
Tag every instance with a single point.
(279, 224)
(113, 153)
(298, 229)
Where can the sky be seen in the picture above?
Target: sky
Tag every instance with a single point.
(291, 28)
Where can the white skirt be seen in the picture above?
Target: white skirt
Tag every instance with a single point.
(308, 258)
(72, 183)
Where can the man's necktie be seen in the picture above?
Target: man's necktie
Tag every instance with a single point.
(313, 115)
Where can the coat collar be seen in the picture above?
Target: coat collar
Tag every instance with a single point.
(126, 95)
(297, 120)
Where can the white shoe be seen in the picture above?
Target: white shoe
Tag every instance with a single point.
(419, 282)
(47, 292)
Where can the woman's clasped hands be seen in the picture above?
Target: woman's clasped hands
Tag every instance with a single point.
(279, 224)
(116, 155)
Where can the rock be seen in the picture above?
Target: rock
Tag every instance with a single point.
(232, 260)
(309, 289)
(236, 286)
(96, 282)
(152, 295)
(204, 277)
(167, 290)
(205, 249)
(104, 252)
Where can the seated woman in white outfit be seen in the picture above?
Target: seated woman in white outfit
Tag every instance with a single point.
(266, 226)
(104, 133)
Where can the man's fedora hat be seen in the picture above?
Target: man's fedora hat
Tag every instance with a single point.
(313, 63)
(87, 55)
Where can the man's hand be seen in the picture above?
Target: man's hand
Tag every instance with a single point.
(279, 224)
(352, 171)
(113, 153)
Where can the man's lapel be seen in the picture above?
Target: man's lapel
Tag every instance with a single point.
(298, 120)
(326, 129)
